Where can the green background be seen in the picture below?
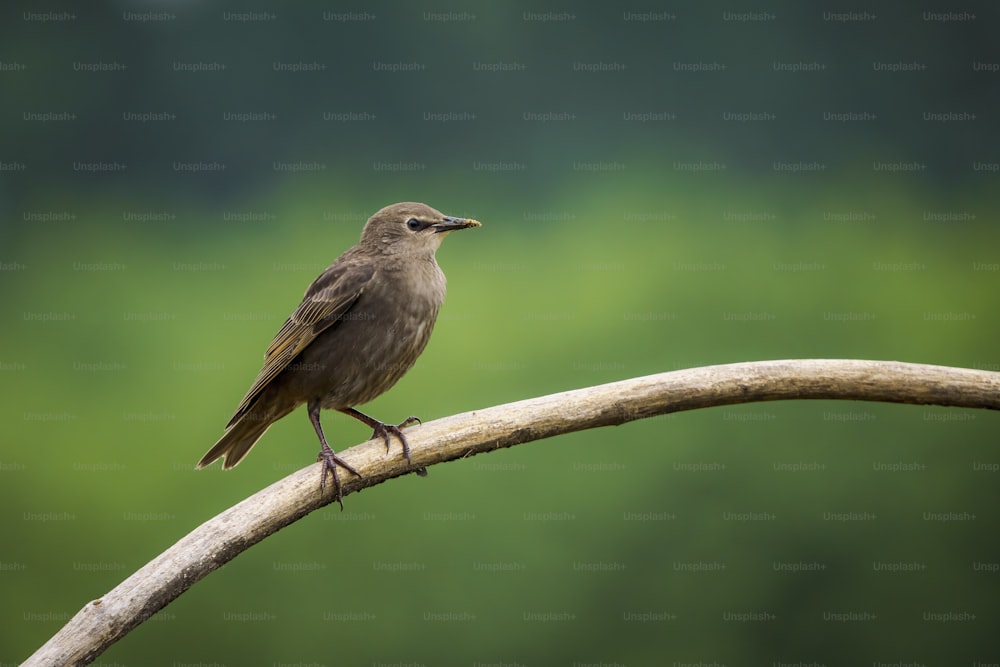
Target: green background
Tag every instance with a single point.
(137, 301)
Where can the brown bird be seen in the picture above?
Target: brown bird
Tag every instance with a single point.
(361, 325)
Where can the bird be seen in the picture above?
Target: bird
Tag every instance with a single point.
(360, 327)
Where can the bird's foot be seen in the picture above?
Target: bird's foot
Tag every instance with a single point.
(385, 430)
(330, 462)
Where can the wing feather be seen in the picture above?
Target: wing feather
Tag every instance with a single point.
(326, 301)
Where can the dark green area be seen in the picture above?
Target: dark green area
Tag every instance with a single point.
(137, 305)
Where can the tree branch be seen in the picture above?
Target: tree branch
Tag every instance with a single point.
(220, 539)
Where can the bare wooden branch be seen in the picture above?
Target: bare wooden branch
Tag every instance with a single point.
(220, 539)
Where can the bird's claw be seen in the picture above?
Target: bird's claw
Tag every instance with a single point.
(384, 430)
(330, 462)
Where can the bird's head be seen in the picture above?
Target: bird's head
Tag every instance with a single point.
(410, 228)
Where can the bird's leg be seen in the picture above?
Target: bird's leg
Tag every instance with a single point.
(381, 430)
(328, 456)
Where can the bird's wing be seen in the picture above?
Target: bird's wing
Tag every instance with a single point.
(326, 301)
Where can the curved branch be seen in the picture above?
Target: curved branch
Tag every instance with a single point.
(220, 539)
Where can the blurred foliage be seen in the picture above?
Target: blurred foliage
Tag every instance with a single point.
(137, 305)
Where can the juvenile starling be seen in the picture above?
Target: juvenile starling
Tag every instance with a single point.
(361, 325)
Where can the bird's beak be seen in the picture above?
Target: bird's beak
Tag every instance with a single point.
(450, 224)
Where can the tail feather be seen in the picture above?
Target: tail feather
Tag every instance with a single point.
(236, 442)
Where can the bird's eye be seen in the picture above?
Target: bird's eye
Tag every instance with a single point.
(413, 224)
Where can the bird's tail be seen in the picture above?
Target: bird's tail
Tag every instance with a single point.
(237, 441)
